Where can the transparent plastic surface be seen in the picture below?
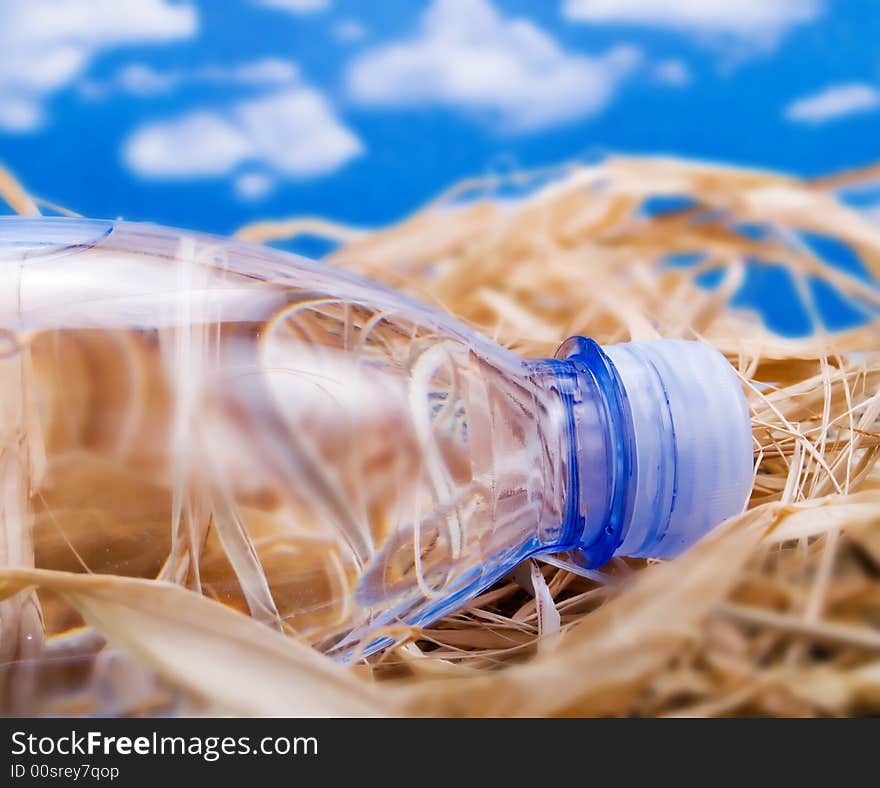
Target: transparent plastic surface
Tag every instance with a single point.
(334, 458)
(289, 439)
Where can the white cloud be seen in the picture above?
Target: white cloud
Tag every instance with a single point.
(46, 44)
(298, 132)
(673, 73)
(143, 80)
(254, 185)
(764, 21)
(293, 132)
(466, 55)
(297, 6)
(259, 72)
(834, 102)
(349, 30)
(140, 79)
(198, 144)
(19, 113)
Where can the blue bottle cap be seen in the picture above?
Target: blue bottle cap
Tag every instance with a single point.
(692, 465)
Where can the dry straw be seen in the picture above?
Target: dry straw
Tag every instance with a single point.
(777, 612)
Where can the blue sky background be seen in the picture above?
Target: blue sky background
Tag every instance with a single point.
(207, 114)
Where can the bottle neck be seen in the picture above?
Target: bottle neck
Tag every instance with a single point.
(659, 446)
(621, 486)
(600, 449)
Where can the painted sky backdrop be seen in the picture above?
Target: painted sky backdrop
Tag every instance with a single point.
(209, 114)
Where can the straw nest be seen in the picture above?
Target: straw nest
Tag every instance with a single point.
(775, 613)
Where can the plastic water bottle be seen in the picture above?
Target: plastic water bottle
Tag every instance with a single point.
(332, 456)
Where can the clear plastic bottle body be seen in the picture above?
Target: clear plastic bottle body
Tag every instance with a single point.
(294, 441)
(328, 455)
